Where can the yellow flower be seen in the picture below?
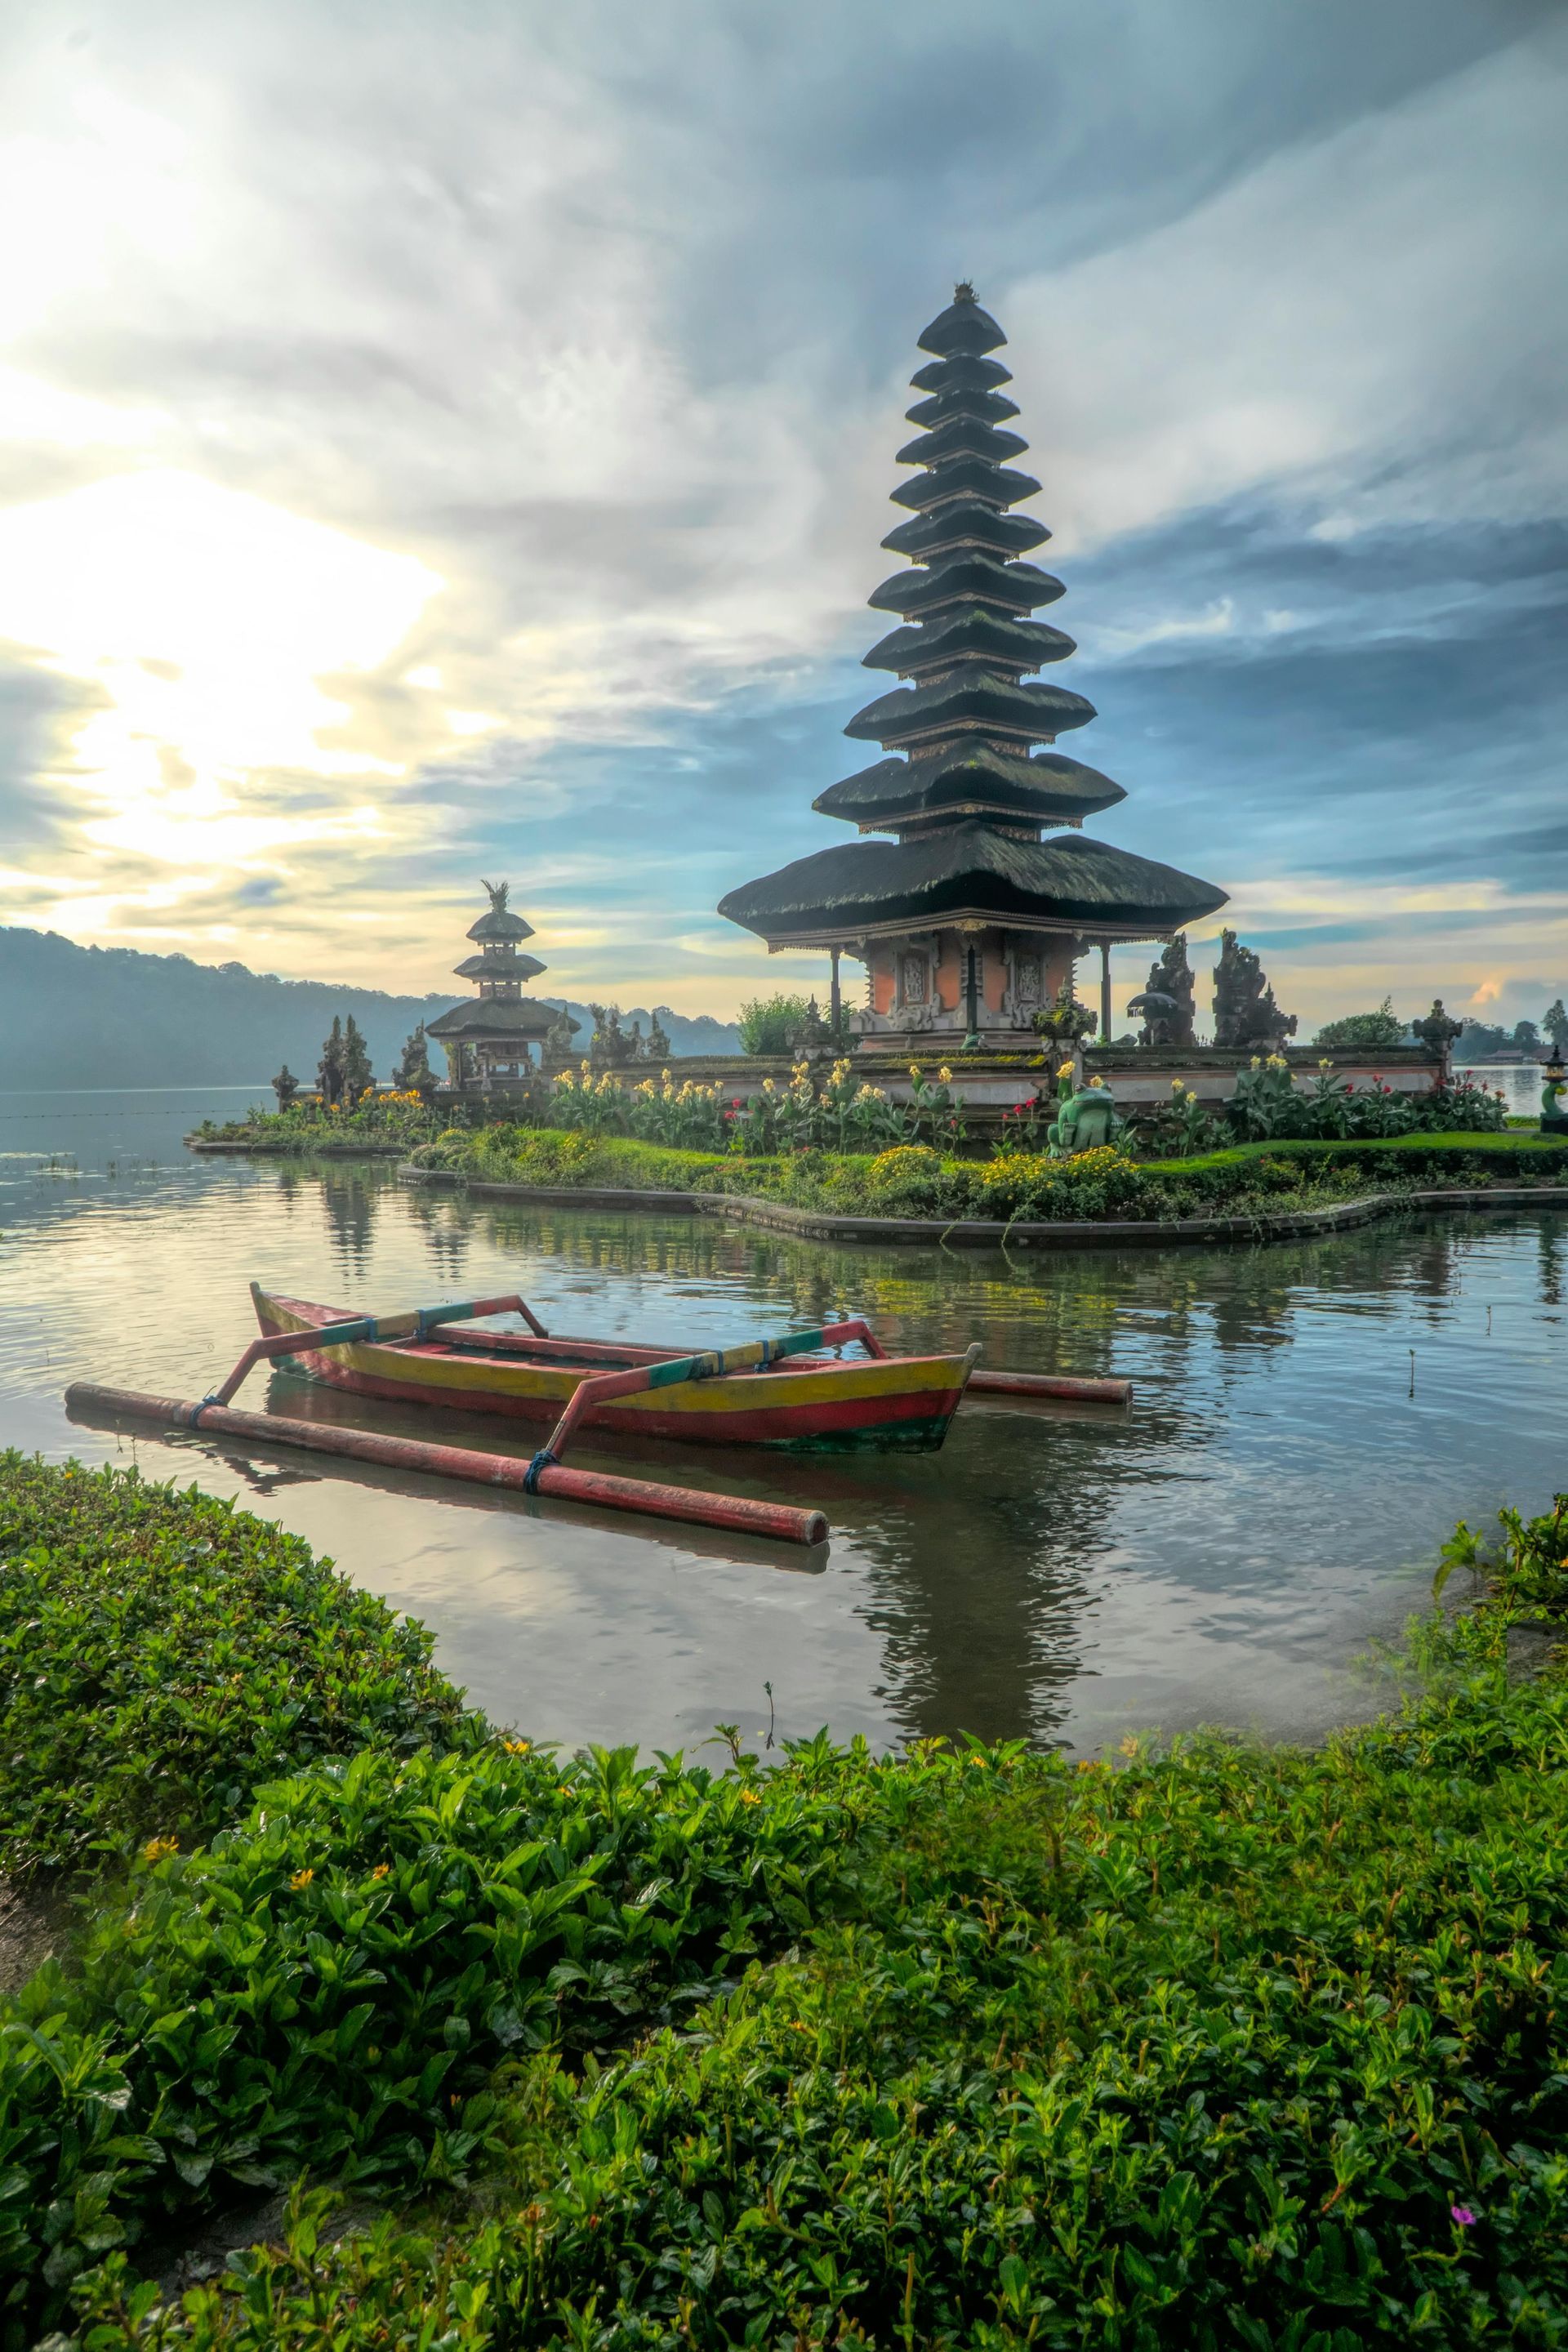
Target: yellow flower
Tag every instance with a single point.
(301, 1878)
(381, 1870)
(159, 1849)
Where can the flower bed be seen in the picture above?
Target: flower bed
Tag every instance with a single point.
(917, 1180)
(1213, 2045)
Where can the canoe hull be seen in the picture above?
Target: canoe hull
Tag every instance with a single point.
(899, 1404)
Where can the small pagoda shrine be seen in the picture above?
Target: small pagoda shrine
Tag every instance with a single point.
(970, 918)
(492, 1038)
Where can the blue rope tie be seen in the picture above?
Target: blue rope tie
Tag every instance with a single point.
(543, 1460)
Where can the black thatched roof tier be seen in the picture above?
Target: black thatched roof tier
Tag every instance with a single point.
(971, 579)
(498, 924)
(972, 634)
(965, 478)
(962, 436)
(965, 524)
(964, 327)
(971, 873)
(963, 370)
(970, 700)
(503, 1017)
(493, 967)
(963, 400)
(1047, 789)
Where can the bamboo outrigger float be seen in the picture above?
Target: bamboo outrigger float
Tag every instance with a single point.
(787, 1393)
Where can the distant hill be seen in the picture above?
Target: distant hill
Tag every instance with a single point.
(75, 1016)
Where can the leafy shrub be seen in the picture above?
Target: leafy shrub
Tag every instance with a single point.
(774, 1024)
(333, 1984)
(1221, 2047)
(1370, 1031)
(161, 1654)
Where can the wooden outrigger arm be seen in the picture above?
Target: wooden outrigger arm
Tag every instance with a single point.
(409, 1323)
(712, 1365)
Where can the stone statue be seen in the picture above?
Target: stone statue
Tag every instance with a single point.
(1086, 1120)
(1167, 1003)
(558, 1035)
(1066, 1020)
(1246, 1017)
(610, 1048)
(1553, 1119)
(1438, 1030)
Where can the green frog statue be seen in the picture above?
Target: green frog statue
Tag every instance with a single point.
(1086, 1117)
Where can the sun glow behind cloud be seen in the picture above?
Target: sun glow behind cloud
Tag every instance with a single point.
(207, 618)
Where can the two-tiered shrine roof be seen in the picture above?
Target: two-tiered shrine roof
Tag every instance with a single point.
(491, 966)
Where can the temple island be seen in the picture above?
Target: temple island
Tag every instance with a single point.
(970, 920)
(493, 1037)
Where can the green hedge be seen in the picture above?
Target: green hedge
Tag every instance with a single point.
(1537, 1153)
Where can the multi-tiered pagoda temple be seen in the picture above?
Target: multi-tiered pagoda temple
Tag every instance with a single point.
(970, 918)
(492, 1037)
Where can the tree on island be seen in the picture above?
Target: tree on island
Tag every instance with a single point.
(285, 1086)
(1554, 1023)
(357, 1075)
(413, 1075)
(1369, 1030)
(1245, 1013)
(330, 1069)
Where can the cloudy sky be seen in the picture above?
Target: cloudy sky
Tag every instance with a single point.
(451, 438)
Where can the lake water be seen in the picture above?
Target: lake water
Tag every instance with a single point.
(1309, 1420)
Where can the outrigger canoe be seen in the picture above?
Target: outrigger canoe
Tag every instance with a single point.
(796, 1390)
(801, 1399)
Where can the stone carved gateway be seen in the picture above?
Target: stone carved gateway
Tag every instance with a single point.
(987, 852)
